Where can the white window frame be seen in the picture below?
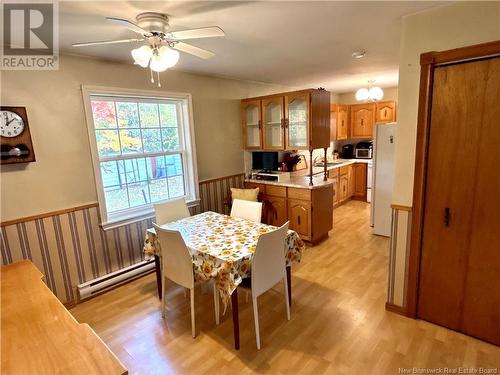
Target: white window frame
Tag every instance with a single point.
(186, 131)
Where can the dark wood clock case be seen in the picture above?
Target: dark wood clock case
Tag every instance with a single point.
(22, 142)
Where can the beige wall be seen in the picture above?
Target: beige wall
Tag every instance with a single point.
(62, 175)
(439, 29)
(452, 26)
(390, 93)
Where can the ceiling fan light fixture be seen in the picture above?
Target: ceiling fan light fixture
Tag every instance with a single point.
(158, 64)
(142, 55)
(169, 56)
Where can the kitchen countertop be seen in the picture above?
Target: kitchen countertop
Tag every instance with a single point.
(300, 179)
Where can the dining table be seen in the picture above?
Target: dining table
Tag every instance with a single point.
(222, 248)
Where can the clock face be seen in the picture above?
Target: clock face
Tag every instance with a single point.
(11, 124)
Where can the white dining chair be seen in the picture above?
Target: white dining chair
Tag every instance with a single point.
(247, 210)
(268, 268)
(177, 266)
(171, 211)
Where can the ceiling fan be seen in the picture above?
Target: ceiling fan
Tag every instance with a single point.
(162, 45)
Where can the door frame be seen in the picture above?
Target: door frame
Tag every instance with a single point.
(428, 62)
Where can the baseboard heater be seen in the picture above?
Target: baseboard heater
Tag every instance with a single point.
(113, 279)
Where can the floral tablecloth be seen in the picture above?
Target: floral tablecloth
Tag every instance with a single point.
(222, 247)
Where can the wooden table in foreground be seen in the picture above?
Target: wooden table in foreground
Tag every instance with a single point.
(39, 336)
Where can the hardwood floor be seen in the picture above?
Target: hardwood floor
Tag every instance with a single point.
(338, 322)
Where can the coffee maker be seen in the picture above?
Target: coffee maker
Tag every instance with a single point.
(347, 151)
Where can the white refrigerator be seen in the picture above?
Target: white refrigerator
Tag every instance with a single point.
(383, 178)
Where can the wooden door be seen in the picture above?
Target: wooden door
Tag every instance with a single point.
(275, 210)
(459, 283)
(300, 217)
(362, 120)
(360, 183)
(385, 112)
(297, 121)
(273, 118)
(342, 124)
(251, 123)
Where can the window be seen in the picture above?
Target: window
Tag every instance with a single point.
(142, 150)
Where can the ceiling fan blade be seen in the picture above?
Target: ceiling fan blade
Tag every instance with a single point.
(204, 32)
(129, 25)
(198, 52)
(106, 42)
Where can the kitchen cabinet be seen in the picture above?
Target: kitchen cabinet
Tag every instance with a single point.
(350, 180)
(298, 120)
(310, 211)
(333, 175)
(275, 210)
(385, 112)
(342, 121)
(273, 116)
(360, 183)
(338, 122)
(344, 192)
(362, 119)
(300, 217)
(333, 122)
(251, 124)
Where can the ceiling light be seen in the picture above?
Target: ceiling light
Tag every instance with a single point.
(362, 94)
(169, 56)
(371, 93)
(157, 58)
(359, 54)
(142, 55)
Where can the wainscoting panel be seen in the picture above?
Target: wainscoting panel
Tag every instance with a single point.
(69, 247)
(398, 256)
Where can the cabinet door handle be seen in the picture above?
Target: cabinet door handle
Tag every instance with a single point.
(447, 216)
(385, 112)
(259, 124)
(361, 122)
(298, 220)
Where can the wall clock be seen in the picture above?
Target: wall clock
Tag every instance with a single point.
(15, 137)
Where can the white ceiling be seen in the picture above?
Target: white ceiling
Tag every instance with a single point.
(298, 43)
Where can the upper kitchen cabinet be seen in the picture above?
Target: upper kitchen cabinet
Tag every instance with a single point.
(385, 111)
(342, 124)
(298, 120)
(273, 118)
(251, 123)
(338, 122)
(362, 120)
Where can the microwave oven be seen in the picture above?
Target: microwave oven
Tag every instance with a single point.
(364, 153)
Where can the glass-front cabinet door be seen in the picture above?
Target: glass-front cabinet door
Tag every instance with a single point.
(273, 120)
(297, 121)
(251, 123)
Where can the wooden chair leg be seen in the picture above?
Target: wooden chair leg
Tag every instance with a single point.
(193, 329)
(163, 299)
(216, 304)
(256, 318)
(287, 302)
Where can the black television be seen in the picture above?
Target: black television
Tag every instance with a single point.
(265, 161)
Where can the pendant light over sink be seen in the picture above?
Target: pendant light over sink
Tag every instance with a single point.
(370, 93)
